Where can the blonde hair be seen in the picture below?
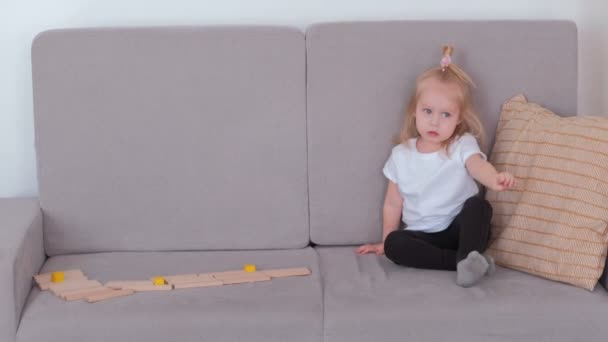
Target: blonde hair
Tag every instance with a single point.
(447, 73)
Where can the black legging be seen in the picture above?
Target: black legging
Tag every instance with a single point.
(468, 232)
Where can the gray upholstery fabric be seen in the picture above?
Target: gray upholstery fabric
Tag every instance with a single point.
(368, 298)
(171, 138)
(360, 77)
(286, 309)
(21, 256)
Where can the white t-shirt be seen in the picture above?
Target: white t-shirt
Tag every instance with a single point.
(433, 186)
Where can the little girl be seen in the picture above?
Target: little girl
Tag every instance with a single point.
(431, 181)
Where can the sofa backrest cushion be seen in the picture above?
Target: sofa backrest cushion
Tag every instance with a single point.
(171, 138)
(360, 77)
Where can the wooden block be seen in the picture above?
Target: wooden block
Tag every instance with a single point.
(238, 277)
(201, 283)
(46, 277)
(239, 280)
(203, 278)
(181, 278)
(137, 285)
(82, 294)
(286, 272)
(109, 295)
(117, 285)
(44, 280)
(217, 275)
(242, 277)
(239, 274)
(58, 288)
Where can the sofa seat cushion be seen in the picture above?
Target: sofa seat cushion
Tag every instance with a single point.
(278, 310)
(369, 296)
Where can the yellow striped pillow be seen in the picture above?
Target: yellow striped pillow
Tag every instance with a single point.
(554, 223)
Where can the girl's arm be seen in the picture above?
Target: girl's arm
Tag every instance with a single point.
(391, 215)
(487, 175)
(391, 212)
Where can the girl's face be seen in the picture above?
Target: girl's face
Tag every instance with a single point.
(437, 111)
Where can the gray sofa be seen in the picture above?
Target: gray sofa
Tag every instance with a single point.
(199, 149)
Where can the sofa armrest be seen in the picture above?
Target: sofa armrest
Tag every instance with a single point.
(21, 256)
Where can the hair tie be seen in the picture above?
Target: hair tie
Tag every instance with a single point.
(445, 62)
(447, 57)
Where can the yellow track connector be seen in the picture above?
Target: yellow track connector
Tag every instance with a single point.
(159, 281)
(57, 277)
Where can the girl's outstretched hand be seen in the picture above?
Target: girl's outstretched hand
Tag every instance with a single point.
(504, 180)
(377, 248)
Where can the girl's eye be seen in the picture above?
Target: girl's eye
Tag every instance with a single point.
(446, 114)
(426, 110)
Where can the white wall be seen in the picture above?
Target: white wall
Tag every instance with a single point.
(21, 20)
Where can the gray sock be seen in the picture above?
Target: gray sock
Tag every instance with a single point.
(492, 265)
(471, 269)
